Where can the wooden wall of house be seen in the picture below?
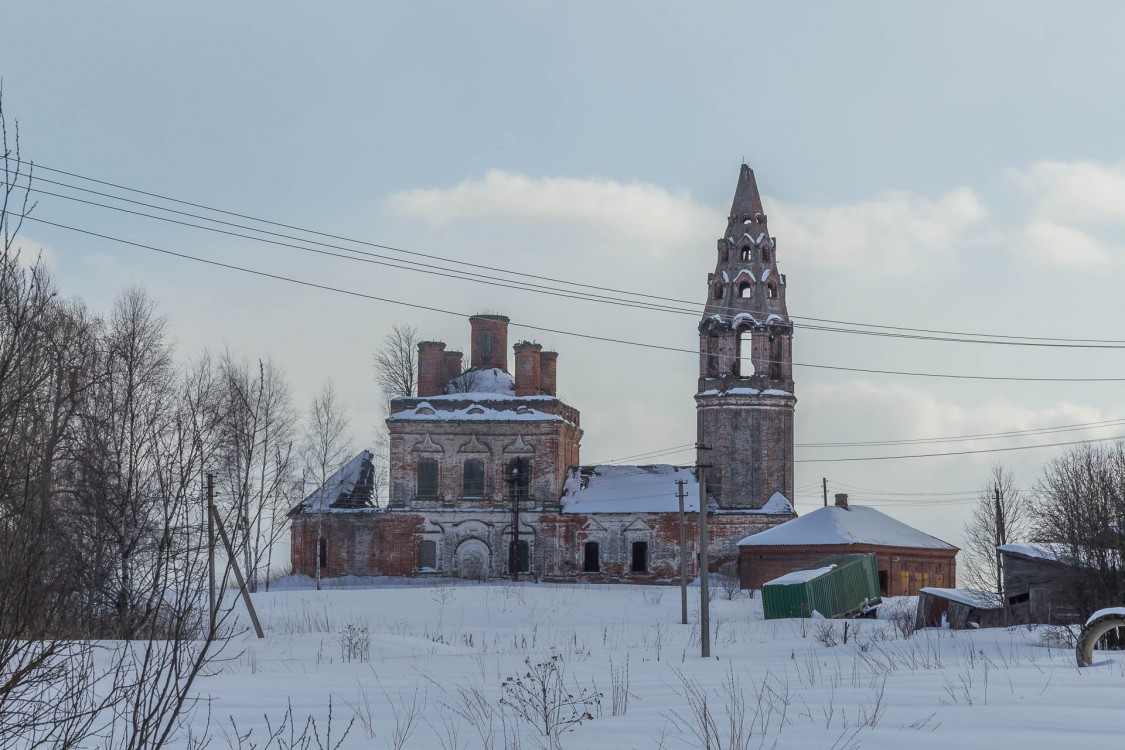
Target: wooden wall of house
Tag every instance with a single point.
(1039, 590)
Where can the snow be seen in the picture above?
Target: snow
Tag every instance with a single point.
(629, 489)
(430, 640)
(835, 525)
(970, 597)
(800, 576)
(484, 380)
(765, 274)
(1107, 612)
(474, 412)
(1040, 550)
(777, 503)
(744, 272)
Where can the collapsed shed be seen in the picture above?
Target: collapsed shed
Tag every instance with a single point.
(958, 608)
(837, 586)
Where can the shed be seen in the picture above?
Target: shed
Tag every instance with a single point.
(837, 586)
(906, 559)
(962, 608)
(1039, 582)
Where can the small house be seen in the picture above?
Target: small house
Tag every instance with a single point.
(906, 559)
(1039, 583)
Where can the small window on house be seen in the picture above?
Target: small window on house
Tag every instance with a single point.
(486, 344)
(427, 555)
(744, 290)
(427, 478)
(640, 557)
(322, 552)
(591, 560)
(771, 291)
(473, 484)
(746, 253)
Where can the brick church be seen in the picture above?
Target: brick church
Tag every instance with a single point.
(485, 473)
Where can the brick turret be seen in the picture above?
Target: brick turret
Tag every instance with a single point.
(527, 368)
(431, 368)
(489, 341)
(451, 366)
(548, 368)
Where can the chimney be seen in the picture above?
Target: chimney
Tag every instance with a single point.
(527, 368)
(842, 500)
(489, 341)
(548, 362)
(431, 368)
(451, 366)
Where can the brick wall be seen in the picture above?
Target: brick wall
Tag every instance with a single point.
(905, 570)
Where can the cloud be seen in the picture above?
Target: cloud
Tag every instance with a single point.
(634, 211)
(893, 233)
(32, 251)
(1074, 192)
(1055, 244)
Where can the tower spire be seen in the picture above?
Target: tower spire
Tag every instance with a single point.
(747, 202)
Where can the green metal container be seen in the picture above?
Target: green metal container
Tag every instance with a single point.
(837, 586)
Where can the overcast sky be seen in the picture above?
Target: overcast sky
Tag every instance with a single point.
(955, 167)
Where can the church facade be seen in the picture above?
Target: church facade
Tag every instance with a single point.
(485, 471)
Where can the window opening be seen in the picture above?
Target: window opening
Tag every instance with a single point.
(322, 552)
(427, 554)
(522, 557)
(771, 291)
(591, 560)
(519, 479)
(486, 344)
(718, 292)
(473, 482)
(746, 253)
(427, 478)
(765, 255)
(744, 363)
(744, 290)
(640, 557)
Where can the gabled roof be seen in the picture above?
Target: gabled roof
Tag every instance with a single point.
(352, 486)
(834, 526)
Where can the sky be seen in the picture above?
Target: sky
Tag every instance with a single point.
(952, 167)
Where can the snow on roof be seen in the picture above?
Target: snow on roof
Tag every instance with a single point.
(629, 489)
(352, 486)
(835, 525)
(425, 411)
(799, 576)
(482, 380)
(969, 597)
(1036, 550)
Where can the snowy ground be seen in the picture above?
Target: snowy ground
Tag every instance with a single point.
(438, 655)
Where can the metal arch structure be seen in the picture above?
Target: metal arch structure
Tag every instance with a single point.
(1094, 630)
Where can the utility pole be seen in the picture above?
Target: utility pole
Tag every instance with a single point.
(233, 562)
(704, 591)
(683, 554)
(825, 481)
(211, 549)
(1001, 538)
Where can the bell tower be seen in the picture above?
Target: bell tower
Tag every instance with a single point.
(745, 401)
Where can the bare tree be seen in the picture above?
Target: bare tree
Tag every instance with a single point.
(1001, 515)
(257, 458)
(1080, 506)
(396, 363)
(327, 448)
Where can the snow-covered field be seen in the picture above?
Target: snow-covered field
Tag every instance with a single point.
(429, 662)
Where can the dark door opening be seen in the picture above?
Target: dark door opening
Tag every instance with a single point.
(883, 578)
(591, 562)
(640, 557)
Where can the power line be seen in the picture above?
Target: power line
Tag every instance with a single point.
(939, 335)
(957, 453)
(983, 436)
(543, 329)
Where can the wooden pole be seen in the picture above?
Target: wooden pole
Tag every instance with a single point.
(683, 555)
(704, 592)
(825, 481)
(237, 574)
(211, 548)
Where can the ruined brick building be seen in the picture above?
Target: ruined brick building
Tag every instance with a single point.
(484, 465)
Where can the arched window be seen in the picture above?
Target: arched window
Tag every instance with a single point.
(640, 557)
(718, 292)
(519, 479)
(473, 478)
(427, 478)
(486, 344)
(765, 254)
(744, 363)
(427, 555)
(591, 559)
(746, 253)
(744, 290)
(771, 291)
